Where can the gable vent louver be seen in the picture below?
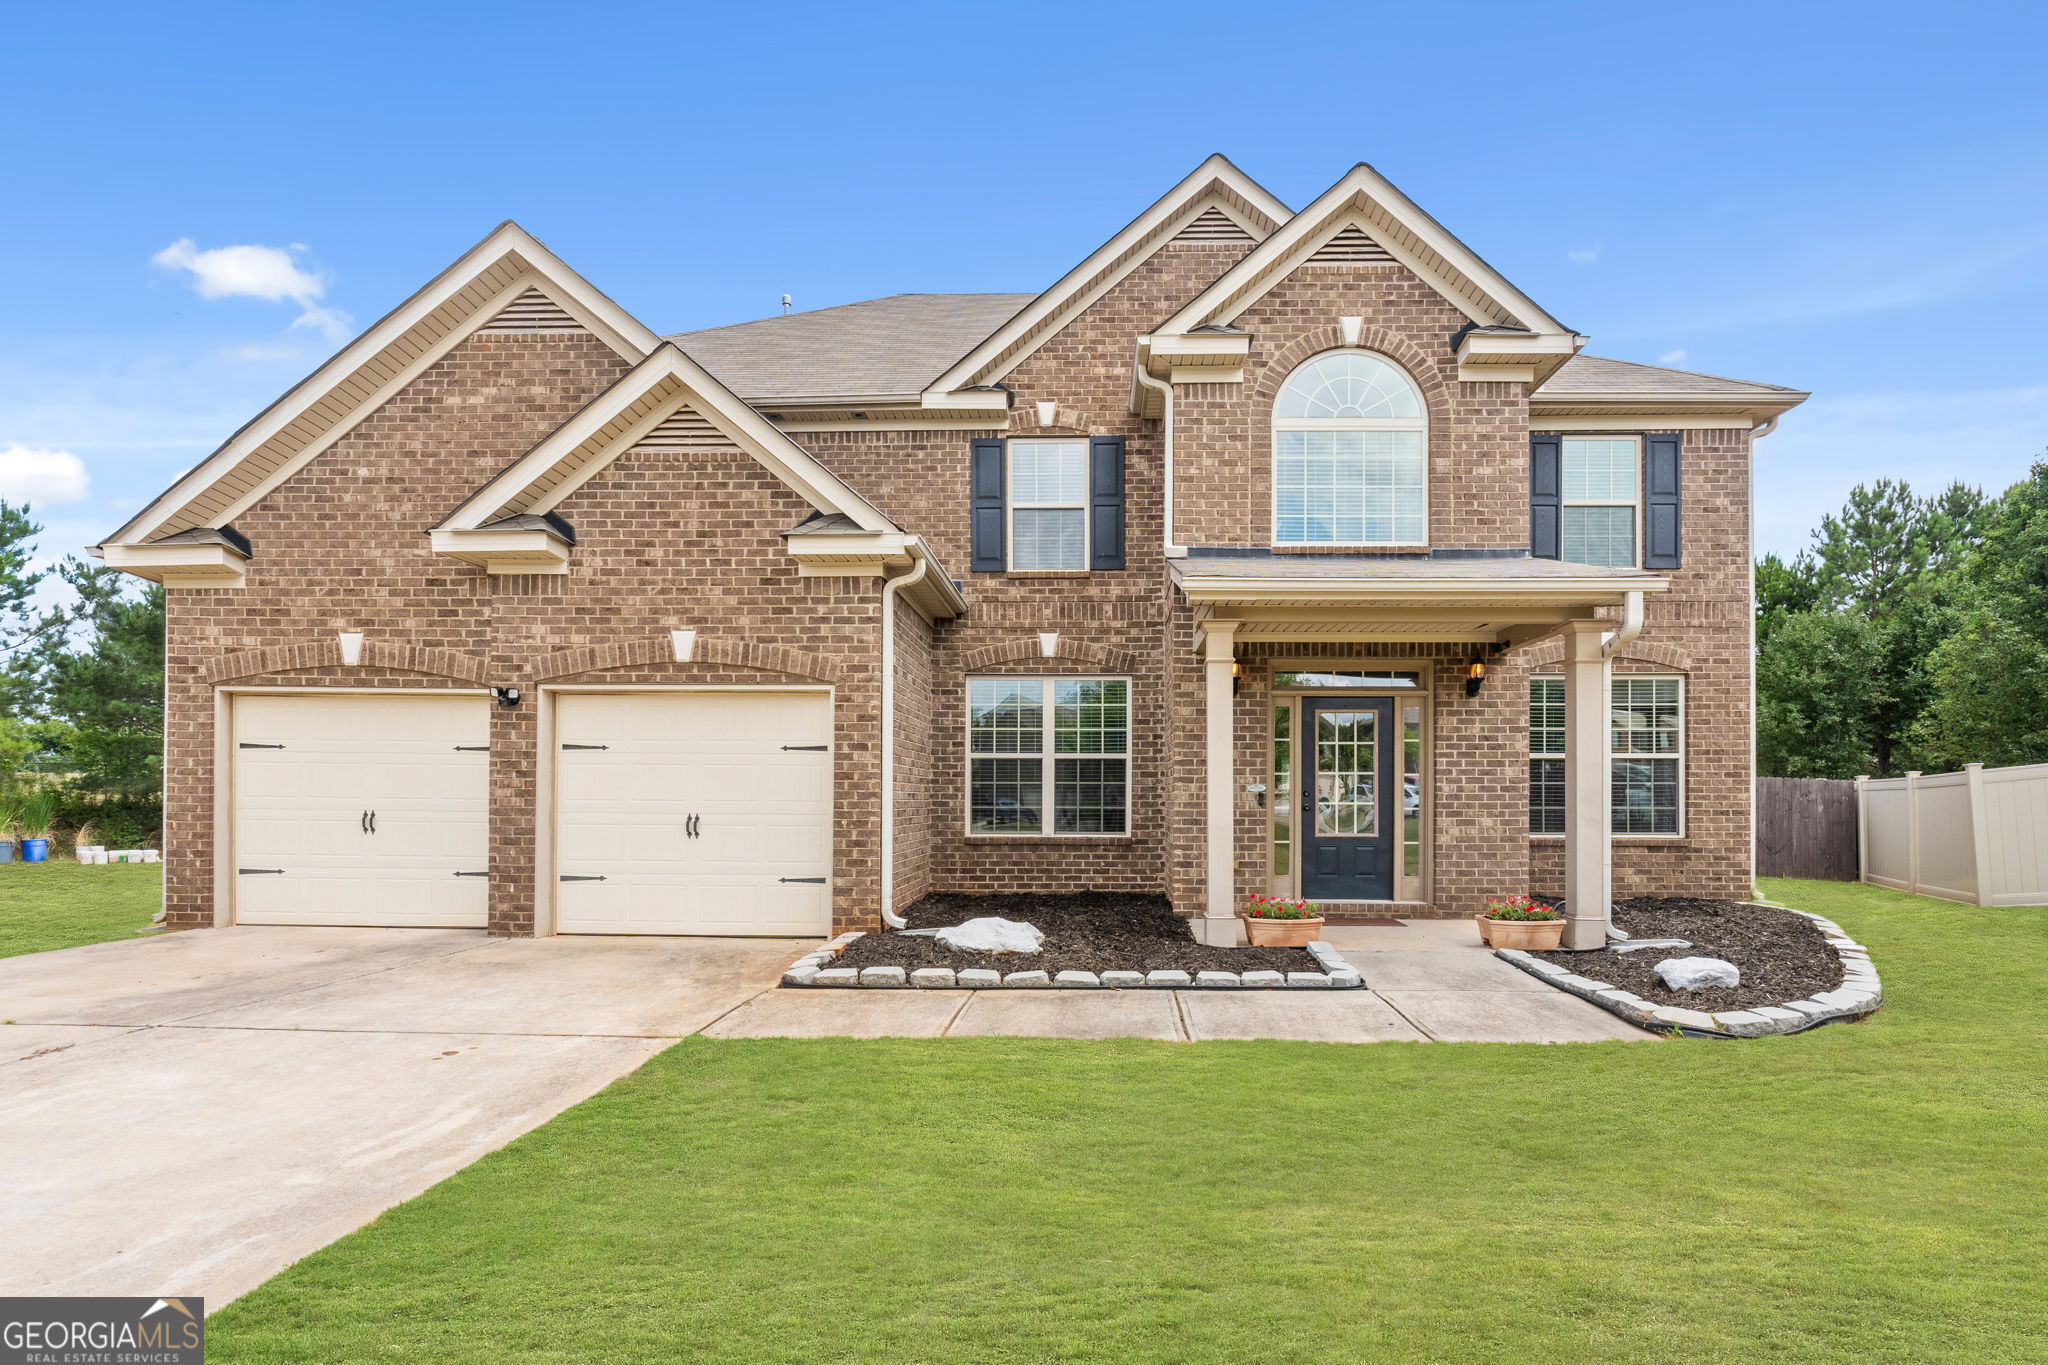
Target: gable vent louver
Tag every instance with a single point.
(1350, 247)
(533, 311)
(1213, 226)
(683, 429)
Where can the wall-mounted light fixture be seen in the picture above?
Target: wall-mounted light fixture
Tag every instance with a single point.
(1475, 674)
(1236, 676)
(507, 696)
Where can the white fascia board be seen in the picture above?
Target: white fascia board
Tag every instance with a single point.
(606, 319)
(712, 401)
(179, 566)
(534, 551)
(997, 400)
(1546, 591)
(1229, 296)
(1074, 287)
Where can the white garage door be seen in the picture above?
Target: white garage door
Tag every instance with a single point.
(361, 810)
(693, 813)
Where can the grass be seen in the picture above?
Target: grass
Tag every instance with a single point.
(1867, 1192)
(62, 904)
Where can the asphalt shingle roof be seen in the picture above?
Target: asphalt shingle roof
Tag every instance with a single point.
(895, 345)
(899, 344)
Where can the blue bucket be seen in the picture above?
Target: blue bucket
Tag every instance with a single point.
(35, 850)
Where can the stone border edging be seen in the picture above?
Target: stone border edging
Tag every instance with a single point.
(1859, 994)
(813, 969)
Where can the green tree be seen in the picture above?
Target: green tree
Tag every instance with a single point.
(1820, 690)
(1870, 554)
(1784, 590)
(18, 618)
(103, 682)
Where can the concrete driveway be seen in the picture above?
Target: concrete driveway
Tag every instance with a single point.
(190, 1114)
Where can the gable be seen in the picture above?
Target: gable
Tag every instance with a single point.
(1364, 220)
(507, 282)
(1214, 195)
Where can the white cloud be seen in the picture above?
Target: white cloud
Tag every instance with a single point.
(270, 273)
(1585, 255)
(1672, 357)
(37, 477)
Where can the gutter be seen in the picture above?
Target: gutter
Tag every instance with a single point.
(1631, 625)
(892, 590)
(1165, 390)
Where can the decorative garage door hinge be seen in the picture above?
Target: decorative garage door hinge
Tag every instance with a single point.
(472, 874)
(260, 871)
(806, 748)
(582, 879)
(816, 881)
(586, 746)
(259, 746)
(472, 748)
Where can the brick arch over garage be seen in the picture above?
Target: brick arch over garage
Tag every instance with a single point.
(441, 663)
(1022, 651)
(1547, 653)
(661, 650)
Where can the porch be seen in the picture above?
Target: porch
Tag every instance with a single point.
(1366, 721)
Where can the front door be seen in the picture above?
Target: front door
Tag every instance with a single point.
(1347, 801)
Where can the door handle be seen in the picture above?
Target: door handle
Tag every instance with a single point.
(363, 822)
(373, 822)
(690, 826)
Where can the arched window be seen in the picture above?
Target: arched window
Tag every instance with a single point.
(1350, 454)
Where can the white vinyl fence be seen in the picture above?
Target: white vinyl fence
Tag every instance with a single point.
(1979, 836)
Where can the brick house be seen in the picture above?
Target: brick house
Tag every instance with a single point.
(1264, 551)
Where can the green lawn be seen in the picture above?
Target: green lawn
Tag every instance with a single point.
(1868, 1192)
(64, 904)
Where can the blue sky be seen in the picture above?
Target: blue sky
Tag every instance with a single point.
(1851, 199)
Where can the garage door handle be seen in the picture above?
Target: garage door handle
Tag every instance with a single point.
(815, 881)
(690, 828)
(806, 748)
(586, 746)
(582, 879)
(260, 871)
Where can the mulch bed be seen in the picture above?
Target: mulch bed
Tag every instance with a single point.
(1085, 931)
(1781, 956)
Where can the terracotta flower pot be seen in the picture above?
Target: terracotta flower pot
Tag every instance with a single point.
(1530, 935)
(1282, 933)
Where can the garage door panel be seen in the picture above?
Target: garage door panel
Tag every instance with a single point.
(415, 761)
(751, 767)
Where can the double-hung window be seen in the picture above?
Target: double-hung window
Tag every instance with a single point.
(1350, 454)
(1048, 755)
(1645, 747)
(1048, 504)
(1600, 479)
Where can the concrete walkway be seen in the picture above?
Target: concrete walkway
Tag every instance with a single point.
(1425, 980)
(190, 1114)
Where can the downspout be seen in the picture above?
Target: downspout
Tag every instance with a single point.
(1631, 625)
(1165, 390)
(891, 590)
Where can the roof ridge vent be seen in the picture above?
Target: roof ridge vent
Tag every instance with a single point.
(1350, 247)
(1212, 225)
(533, 311)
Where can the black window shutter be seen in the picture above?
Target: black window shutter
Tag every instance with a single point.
(986, 483)
(1106, 502)
(1546, 488)
(1662, 493)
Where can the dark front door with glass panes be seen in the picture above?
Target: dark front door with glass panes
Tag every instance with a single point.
(1348, 829)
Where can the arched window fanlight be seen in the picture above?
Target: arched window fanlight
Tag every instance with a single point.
(1350, 454)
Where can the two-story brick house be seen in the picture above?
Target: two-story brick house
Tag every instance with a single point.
(1265, 550)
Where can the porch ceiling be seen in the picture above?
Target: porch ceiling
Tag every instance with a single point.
(1367, 597)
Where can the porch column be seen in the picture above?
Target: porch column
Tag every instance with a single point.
(1219, 917)
(1588, 817)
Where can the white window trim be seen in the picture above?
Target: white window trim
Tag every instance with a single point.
(1044, 754)
(1636, 540)
(1684, 746)
(1012, 505)
(1419, 425)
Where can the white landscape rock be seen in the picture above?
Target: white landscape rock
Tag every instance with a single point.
(1265, 979)
(1027, 980)
(932, 978)
(978, 978)
(991, 934)
(1168, 979)
(881, 976)
(1123, 981)
(1070, 980)
(1697, 973)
